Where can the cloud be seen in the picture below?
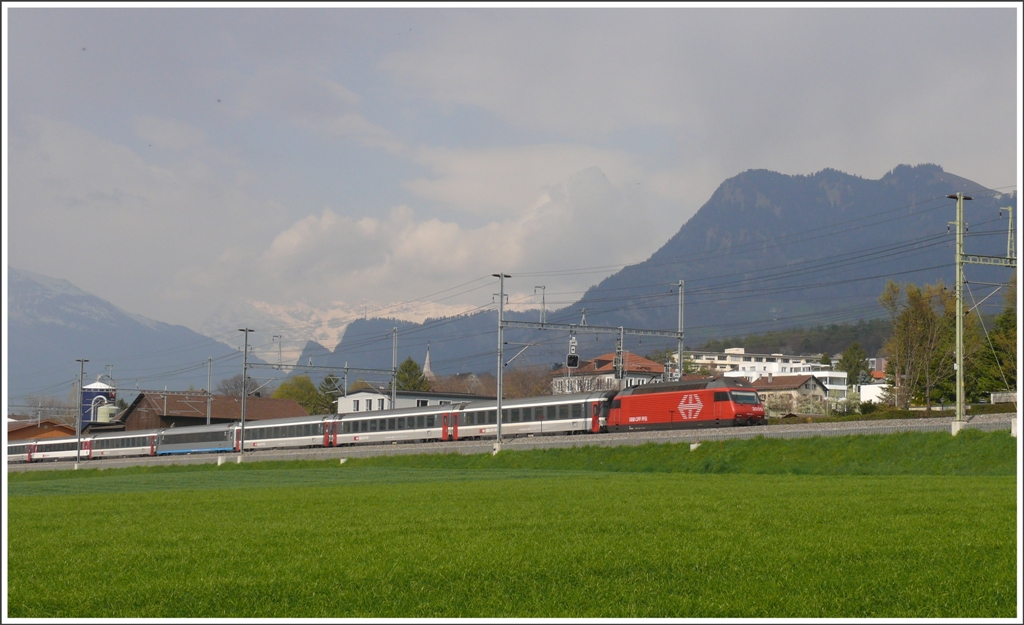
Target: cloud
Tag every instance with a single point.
(317, 104)
(498, 180)
(149, 238)
(168, 133)
(402, 257)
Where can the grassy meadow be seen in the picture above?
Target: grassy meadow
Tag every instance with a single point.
(896, 526)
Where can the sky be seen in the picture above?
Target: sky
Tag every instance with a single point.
(331, 160)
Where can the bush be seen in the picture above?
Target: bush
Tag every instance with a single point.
(868, 407)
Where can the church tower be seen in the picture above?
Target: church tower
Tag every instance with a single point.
(427, 373)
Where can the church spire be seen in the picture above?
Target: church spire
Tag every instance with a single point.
(427, 373)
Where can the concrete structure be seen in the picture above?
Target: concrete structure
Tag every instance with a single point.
(735, 362)
(372, 399)
(872, 392)
(599, 374)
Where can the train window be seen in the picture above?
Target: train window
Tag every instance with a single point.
(391, 423)
(616, 403)
(373, 424)
(527, 414)
(401, 423)
(504, 416)
(563, 411)
(515, 415)
(552, 412)
(721, 396)
(492, 416)
(430, 420)
(419, 421)
(577, 411)
(745, 397)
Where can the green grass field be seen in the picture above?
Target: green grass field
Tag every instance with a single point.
(761, 528)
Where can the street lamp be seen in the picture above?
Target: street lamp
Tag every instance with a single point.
(81, 398)
(245, 391)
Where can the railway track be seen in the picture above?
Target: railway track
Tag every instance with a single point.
(795, 430)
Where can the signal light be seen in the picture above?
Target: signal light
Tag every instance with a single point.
(572, 361)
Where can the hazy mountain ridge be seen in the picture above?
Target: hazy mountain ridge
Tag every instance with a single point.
(51, 323)
(766, 251)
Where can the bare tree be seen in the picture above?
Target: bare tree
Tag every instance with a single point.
(233, 386)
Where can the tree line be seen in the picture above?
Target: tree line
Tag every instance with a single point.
(921, 349)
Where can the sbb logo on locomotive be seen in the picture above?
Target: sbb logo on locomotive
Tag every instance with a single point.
(690, 406)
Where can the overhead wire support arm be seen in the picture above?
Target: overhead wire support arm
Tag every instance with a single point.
(569, 327)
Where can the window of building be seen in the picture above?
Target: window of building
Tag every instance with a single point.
(355, 405)
(421, 402)
(380, 404)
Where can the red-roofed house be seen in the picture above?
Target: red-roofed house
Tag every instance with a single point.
(599, 374)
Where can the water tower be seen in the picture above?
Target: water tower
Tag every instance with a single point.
(94, 396)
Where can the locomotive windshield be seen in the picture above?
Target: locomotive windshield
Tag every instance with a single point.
(745, 397)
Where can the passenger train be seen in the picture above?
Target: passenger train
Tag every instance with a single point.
(721, 402)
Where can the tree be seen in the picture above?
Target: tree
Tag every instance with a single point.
(997, 359)
(854, 362)
(301, 389)
(525, 382)
(410, 377)
(329, 390)
(922, 345)
(233, 386)
(826, 359)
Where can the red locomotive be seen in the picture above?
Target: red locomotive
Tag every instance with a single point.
(722, 402)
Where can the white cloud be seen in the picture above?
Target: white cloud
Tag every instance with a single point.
(168, 133)
(151, 239)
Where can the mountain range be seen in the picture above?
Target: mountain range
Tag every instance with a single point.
(766, 251)
(51, 323)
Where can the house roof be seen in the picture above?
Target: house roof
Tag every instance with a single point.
(605, 363)
(14, 426)
(783, 382)
(878, 375)
(223, 407)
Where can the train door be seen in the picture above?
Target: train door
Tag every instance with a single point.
(444, 426)
(595, 419)
(152, 444)
(31, 450)
(330, 433)
(454, 420)
(87, 447)
(721, 406)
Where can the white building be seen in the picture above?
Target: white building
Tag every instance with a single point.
(371, 399)
(735, 362)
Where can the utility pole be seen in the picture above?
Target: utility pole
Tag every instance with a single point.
(543, 301)
(961, 259)
(209, 388)
(501, 344)
(245, 387)
(679, 355)
(278, 337)
(394, 365)
(81, 398)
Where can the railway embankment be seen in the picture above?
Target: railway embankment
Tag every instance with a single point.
(987, 422)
